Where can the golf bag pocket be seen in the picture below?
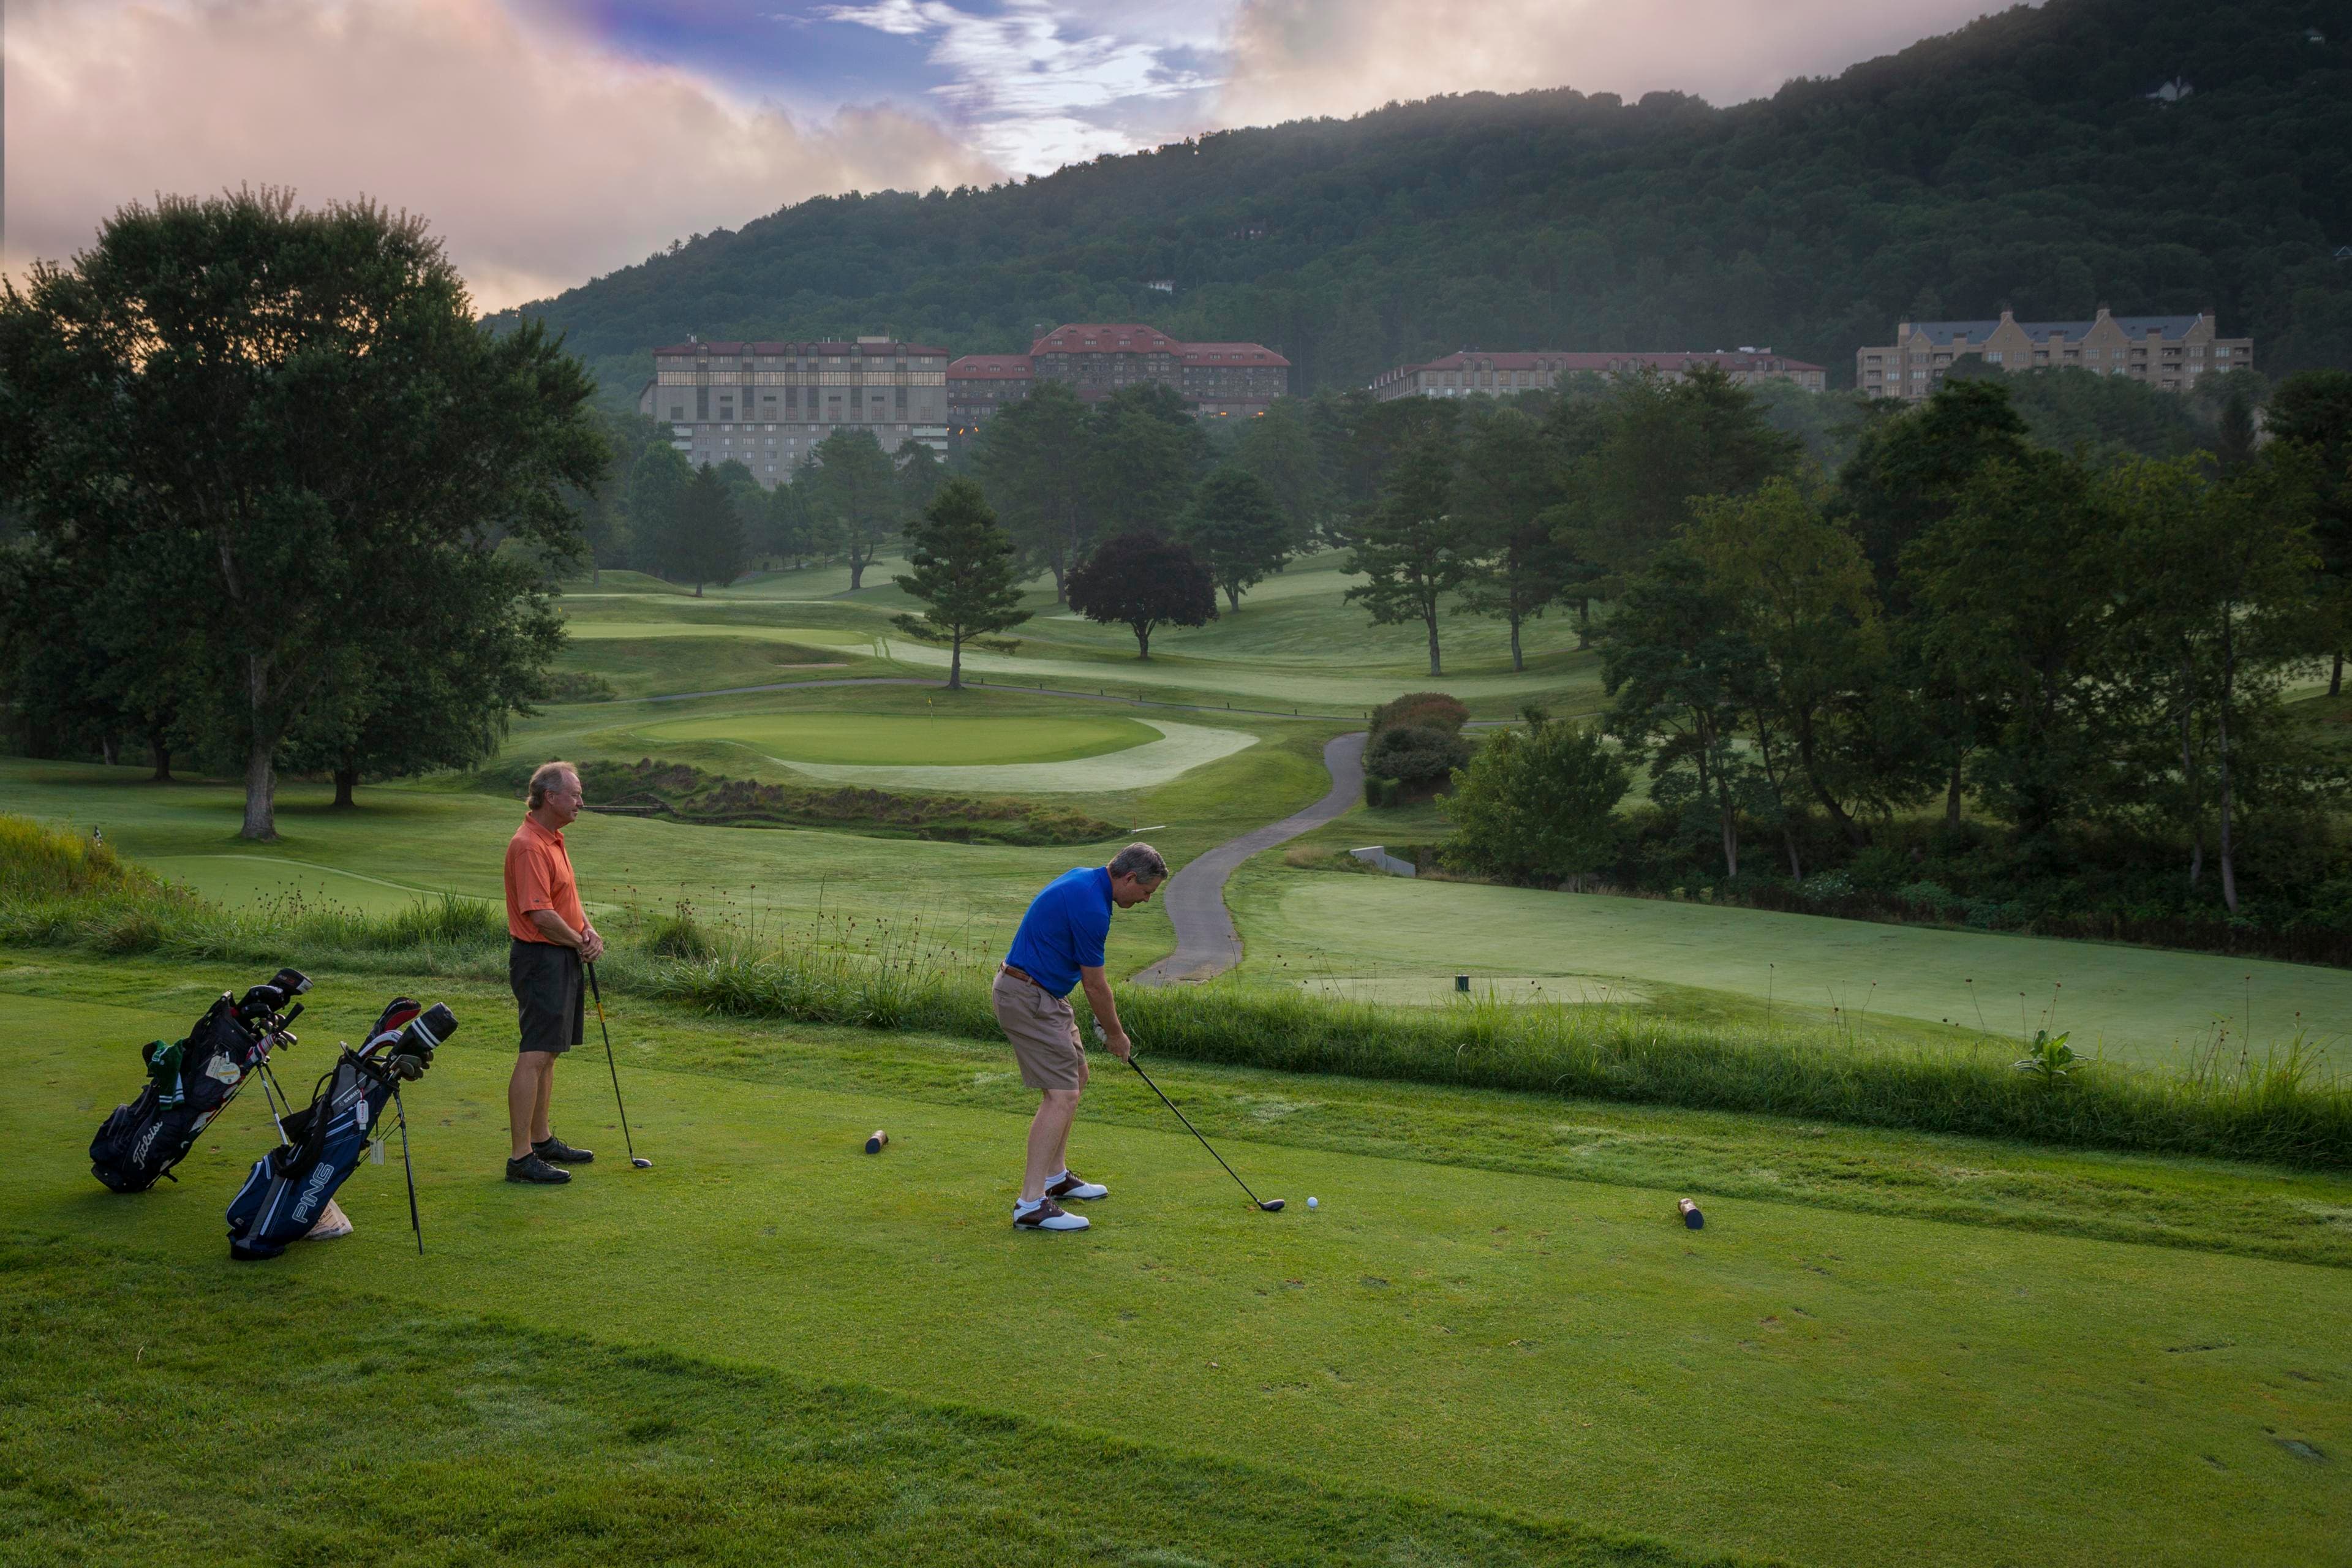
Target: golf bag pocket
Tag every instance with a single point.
(188, 1085)
(289, 1188)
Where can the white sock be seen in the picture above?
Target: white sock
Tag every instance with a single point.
(1058, 1177)
(1026, 1205)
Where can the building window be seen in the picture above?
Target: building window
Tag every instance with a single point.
(1993, 357)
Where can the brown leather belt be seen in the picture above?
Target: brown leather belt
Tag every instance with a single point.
(1019, 974)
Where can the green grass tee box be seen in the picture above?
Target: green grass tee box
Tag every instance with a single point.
(1830, 1387)
(902, 738)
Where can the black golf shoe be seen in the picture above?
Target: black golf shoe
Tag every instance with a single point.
(531, 1168)
(556, 1151)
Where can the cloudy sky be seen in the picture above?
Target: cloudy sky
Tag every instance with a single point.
(550, 141)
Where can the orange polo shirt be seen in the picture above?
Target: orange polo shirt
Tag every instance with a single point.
(539, 877)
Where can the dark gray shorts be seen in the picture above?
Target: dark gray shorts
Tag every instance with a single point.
(550, 991)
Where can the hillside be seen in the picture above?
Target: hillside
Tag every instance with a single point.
(2019, 159)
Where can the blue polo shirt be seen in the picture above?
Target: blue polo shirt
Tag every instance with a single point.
(1065, 928)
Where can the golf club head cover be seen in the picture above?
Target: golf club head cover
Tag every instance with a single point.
(410, 1034)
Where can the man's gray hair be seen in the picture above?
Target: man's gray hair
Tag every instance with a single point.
(545, 774)
(1141, 862)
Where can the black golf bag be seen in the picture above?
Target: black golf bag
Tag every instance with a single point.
(289, 1188)
(191, 1081)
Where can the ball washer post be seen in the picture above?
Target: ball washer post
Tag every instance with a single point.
(635, 1160)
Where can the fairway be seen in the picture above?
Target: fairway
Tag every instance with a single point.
(2142, 1005)
(1831, 1387)
(894, 739)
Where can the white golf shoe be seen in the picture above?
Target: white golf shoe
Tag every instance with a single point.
(1048, 1215)
(1073, 1185)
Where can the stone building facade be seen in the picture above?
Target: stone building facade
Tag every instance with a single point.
(1473, 372)
(1220, 381)
(2168, 353)
(980, 384)
(766, 405)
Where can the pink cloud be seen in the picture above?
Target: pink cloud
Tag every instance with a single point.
(538, 157)
(1293, 58)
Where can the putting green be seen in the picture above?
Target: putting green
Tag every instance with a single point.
(1836, 1388)
(2140, 1004)
(1440, 990)
(894, 740)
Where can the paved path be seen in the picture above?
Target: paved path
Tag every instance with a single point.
(1206, 943)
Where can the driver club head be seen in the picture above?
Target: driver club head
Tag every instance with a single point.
(641, 1162)
(1272, 1205)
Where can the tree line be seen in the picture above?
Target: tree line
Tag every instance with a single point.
(2093, 653)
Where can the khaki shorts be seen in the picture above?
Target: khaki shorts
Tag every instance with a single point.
(1043, 1032)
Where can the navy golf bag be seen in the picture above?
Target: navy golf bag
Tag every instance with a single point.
(191, 1080)
(289, 1188)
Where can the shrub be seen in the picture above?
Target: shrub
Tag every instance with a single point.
(1431, 709)
(1422, 757)
(1535, 807)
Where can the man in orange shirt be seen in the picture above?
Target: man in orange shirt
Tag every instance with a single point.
(552, 938)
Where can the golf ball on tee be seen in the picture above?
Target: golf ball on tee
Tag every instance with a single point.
(1312, 1203)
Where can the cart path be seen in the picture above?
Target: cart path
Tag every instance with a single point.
(1206, 943)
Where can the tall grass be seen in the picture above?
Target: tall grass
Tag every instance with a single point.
(2277, 1104)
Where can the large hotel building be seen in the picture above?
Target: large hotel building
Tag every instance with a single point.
(1220, 380)
(766, 405)
(2168, 352)
(1472, 372)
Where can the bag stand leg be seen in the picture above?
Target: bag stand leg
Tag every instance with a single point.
(414, 1224)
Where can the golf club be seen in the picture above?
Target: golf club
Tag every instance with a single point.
(634, 1158)
(1271, 1206)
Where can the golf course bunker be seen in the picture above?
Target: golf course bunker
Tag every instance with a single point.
(852, 739)
(1438, 990)
(1178, 749)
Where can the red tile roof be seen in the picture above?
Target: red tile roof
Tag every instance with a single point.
(734, 349)
(1101, 338)
(1232, 353)
(991, 367)
(1604, 362)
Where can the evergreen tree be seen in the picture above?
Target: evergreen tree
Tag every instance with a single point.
(1143, 581)
(658, 484)
(963, 570)
(2312, 410)
(789, 532)
(1505, 484)
(855, 500)
(1279, 448)
(1034, 460)
(1146, 451)
(706, 541)
(1238, 530)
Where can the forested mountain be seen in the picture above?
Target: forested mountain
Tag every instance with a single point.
(2022, 160)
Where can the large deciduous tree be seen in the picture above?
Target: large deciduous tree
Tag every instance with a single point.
(1143, 582)
(291, 409)
(964, 569)
(1147, 453)
(1279, 448)
(1236, 528)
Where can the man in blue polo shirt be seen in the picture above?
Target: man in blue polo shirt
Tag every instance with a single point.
(1059, 947)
